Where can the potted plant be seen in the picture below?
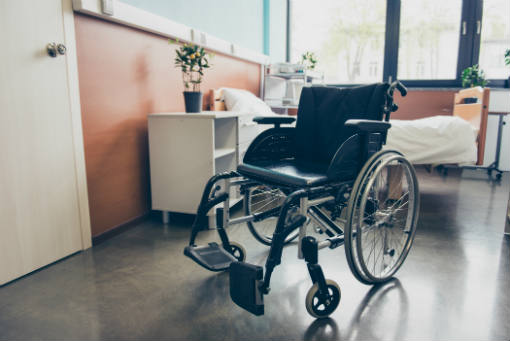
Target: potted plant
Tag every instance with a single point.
(473, 76)
(192, 60)
(309, 60)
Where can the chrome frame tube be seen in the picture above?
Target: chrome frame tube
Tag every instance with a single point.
(226, 204)
(303, 209)
(322, 225)
(324, 244)
(242, 219)
(319, 201)
(242, 182)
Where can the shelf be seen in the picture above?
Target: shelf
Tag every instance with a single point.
(296, 75)
(220, 152)
(282, 106)
(279, 105)
(277, 99)
(286, 75)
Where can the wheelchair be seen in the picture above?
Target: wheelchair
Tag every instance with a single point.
(329, 171)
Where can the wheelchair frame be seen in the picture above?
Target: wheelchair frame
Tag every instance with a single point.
(248, 283)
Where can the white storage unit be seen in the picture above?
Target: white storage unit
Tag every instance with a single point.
(283, 83)
(185, 150)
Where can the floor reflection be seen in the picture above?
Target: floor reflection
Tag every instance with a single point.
(322, 329)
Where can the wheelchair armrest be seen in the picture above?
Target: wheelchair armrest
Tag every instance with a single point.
(272, 144)
(273, 120)
(369, 126)
(368, 139)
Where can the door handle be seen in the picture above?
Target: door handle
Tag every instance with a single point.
(54, 49)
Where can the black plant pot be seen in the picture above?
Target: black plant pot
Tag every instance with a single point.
(193, 101)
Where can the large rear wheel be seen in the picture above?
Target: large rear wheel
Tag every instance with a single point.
(381, 219)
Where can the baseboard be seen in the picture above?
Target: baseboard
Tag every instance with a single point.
(116, 230)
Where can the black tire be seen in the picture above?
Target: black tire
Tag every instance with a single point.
(238, 251)
(267, 198)
(319, 308)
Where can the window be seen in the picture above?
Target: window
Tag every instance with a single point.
(495, 37)
(346, 36)
(421, 42)
(429, 39)
(373, 69)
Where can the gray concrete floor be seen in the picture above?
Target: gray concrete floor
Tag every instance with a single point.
(138, 285)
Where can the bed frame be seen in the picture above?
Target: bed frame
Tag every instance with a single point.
(214, 101)
(475, 113)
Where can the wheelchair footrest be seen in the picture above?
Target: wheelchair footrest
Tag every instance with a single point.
(245, 280)
(212, 256)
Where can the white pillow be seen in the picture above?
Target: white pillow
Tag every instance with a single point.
(245, 102)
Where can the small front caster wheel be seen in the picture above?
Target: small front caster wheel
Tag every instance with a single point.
(321, 307)
(238, 251)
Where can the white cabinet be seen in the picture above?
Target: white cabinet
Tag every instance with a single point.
(283, 84)
(185, 150)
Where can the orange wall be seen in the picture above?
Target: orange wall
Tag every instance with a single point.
(125, 74)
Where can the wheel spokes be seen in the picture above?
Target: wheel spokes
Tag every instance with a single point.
(385, 221)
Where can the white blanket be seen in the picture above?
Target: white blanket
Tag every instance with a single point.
(434, 140)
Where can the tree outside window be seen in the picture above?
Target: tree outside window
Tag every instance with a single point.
(348, 37)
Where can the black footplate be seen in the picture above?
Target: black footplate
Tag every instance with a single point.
(212, 256)
(244, 286)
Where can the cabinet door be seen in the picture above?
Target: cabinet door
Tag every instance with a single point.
(39, 200)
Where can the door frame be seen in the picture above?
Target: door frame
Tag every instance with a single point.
(77, 131)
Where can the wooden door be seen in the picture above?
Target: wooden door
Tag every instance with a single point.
(43, 210)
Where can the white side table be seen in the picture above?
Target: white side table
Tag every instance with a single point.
(185, 150)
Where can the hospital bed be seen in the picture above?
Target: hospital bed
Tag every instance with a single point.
(458, 139)
(443, 141)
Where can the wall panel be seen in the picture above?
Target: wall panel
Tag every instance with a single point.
(424, 103)
(125, 74)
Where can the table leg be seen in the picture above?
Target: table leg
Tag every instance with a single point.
(165, 215)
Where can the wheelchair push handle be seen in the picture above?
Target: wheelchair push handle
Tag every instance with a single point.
(390, 106)
(399, 86)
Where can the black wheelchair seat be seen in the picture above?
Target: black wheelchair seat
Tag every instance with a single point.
(323, 147)
(286, 173)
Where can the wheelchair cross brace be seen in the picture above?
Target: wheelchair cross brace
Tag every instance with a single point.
(248, 283)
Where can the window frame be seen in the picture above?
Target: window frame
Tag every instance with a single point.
(468, 54)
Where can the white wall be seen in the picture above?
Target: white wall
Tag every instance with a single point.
(499, 101)
(278, 30)
(239, 22)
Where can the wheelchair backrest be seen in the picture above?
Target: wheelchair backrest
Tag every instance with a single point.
(322, 113)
